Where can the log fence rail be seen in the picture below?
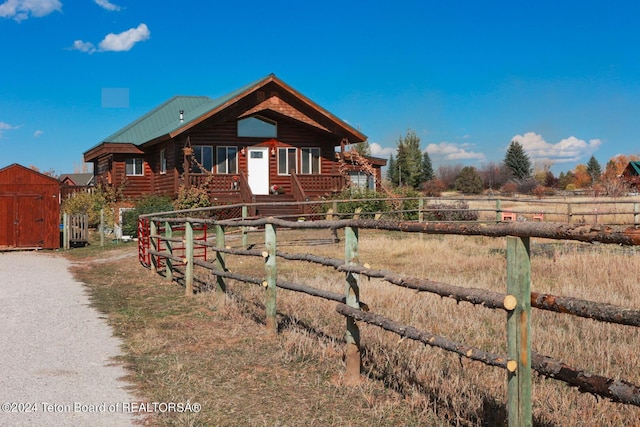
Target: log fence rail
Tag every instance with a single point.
(518, 300)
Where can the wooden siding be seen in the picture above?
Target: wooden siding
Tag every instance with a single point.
(163, 183)
(132, 186)
(291, 133)
(299, 125)
(29, 209)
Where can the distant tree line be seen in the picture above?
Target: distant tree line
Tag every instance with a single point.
(411, 167)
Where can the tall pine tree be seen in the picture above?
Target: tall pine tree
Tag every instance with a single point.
(392, 171)
(594, 170)
(517, 161)
(409, 161)
(363, 148)
(427, 168)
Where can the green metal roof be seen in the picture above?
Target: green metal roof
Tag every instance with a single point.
(162, 119)
(165, 118)
(635, 166)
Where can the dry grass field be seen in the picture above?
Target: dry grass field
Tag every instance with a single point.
(574, 209)
(183, 348)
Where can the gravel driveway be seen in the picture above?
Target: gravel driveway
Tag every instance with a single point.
(56, 366)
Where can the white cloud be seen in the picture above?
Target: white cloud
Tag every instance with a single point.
(115, 42)
(20, 10)
(6, 126)
(125, 40)
(83, 46)
(378, 150)
(37, 133)
(570, 149)
(106, 4)
(450, 151)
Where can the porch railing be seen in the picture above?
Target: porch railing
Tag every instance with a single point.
(246, 194)
(298, 192)
(217, 182)
(320, 184)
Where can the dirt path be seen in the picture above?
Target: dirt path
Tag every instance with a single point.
(56, 352)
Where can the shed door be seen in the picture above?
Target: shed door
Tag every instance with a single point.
(30, 221)
(258, 170)
(21, 220)
(7, 221)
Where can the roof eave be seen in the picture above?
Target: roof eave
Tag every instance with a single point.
(107, 148)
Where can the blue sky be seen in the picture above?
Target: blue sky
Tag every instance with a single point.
(563, 78)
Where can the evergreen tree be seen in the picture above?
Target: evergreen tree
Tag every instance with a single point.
(565, 179)
(469, 181)
(363, 148)
(392, 171)
(517, 161)
(593, 169)
(409, 160)
(427, 168)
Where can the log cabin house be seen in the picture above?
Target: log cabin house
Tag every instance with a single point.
(260, 139)
(631, 175)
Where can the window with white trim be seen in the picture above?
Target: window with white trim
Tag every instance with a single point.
(287, 161)
(203, 154)
(310, 160)
(163, 161)
(227, 160)
(134, 166)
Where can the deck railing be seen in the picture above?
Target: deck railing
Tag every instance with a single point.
(321, 183)
(217, 182)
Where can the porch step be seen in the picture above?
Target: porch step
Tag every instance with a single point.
(280, 205)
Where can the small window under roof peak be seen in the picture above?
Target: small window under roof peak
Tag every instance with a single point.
(257, 126)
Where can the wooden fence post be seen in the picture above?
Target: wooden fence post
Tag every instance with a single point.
(188, 252)
(102, 227)
(271, 277)
(420, 210)
(65, 231)
(352, 294)
(221, 287)
(569, 213)
(518, 332)
(636, 214)
(498, 210)
(154, 245)
(245, 234)
(168, 233)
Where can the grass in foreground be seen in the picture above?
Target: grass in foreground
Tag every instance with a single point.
(181, 349)
(184, 348)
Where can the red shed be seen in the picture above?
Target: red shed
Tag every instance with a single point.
(29, 209)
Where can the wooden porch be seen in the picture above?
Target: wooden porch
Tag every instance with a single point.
(234, 188)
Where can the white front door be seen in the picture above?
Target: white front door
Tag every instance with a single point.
(258, 170)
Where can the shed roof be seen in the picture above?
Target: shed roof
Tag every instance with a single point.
(17, 173)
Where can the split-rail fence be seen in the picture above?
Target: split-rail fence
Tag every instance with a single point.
(176, 255)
